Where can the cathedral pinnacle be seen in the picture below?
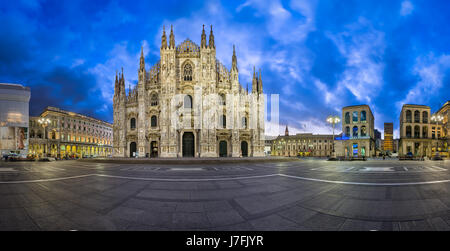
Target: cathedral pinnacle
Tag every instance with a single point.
(254, 81)
(171, 38)
(142, 60)
(203, 43)
(164, 39)
(122, 84)
(234, 60)
(260, 87)
(211, 39)
(116, 85)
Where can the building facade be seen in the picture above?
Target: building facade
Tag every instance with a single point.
(303, 144)
(14, 110)
(58, 133)
(444, 139)
(416, 136)
(388, 144)
(188, 105)
(358, 138)
(268, 144)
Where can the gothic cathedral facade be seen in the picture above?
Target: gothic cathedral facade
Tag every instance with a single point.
(173, 110)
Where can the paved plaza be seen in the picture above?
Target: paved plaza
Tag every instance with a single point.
(271, 195)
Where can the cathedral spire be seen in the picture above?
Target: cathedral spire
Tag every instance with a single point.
(116, 85)
(254, 81)
(234, 60)
(286, 132)
(203, 44)
(171, 38)
(142, 60)
(122, 84)
(211, 39)
(164, 39)
(260, 86)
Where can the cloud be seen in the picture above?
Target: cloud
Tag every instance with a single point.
(285, 26)
(120, 56)
(431, 71)
(363, 47)
(226, 32)
(406, 8)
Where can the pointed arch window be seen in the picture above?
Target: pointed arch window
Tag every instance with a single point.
(187, 101)
(223, 121)
(244, 122)
(133, 123)
(154, 121)
(187, 72)
(222, 99)
(154, 99)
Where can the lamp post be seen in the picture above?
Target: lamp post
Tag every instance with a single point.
(44, 123)
(437, 118)
(333, 120)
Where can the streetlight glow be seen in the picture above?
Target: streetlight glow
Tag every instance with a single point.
(333, 120)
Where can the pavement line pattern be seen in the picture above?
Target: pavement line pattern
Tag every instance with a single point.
(232, 178)
(366, 183)
(46, 180)
(192, 180)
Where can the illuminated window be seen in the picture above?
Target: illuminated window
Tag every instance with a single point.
(363, 131)
(355, 131)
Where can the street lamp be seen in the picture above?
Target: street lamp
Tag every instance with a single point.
(44, 123)
(437, 118)
(333, 120)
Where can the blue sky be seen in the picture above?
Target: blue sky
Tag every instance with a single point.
(318, 55)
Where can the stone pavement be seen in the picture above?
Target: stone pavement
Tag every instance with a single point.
(295, 195)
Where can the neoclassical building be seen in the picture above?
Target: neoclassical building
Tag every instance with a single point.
(188, 104)
(358, 138)
(419, 135)
(303, 144)
(59, 133)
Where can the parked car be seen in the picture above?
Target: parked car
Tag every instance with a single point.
(437, 157)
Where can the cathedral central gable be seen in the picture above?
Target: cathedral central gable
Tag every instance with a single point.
(188, 49)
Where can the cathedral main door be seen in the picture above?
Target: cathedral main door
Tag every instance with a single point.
(153, 149)
(188, 144)
(244, 148)
(222, 149)
(132, 149)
